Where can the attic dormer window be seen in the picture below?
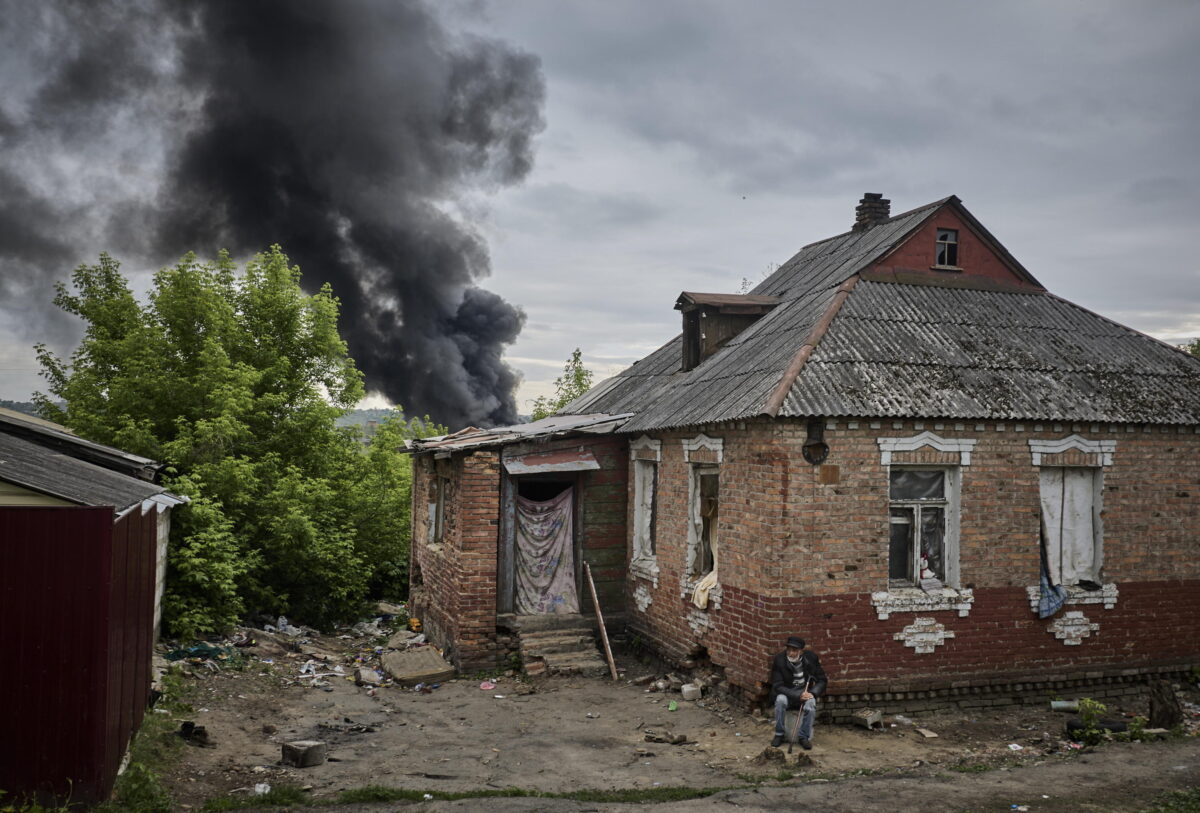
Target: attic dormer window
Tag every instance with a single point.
(710, 321)
(947, 249)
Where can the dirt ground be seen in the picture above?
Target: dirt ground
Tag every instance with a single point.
(570, 733)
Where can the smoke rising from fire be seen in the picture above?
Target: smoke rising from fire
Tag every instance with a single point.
(347, 132)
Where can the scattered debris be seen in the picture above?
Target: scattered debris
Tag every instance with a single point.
(927, 734)
(667, 736)
(195, 734)
(365, 676)
(304, 753)
(1165, 708)
(419, 665)
(869, 718)
(691, 691)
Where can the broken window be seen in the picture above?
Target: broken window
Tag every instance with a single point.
(921, 547)
(645, 487)
(946, 248)
(439, 485)
(1071, 527)
(705, 504)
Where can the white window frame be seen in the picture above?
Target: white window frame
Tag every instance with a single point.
(939, 243)
(952, 481)
(646, 454)
(645, 510)
(696, 520)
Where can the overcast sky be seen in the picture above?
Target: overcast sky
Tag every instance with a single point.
(689, 145)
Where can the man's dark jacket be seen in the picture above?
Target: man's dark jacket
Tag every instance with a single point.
(781, 673)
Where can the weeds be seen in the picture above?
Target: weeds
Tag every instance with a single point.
(278, 795)
(288, 795)
(1179, 801)
(13, 806)
(155, 748)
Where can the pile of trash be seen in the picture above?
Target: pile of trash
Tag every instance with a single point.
(699, 686)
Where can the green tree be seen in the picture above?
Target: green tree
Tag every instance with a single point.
(574, 382)
(1193, 348)
(235, 381)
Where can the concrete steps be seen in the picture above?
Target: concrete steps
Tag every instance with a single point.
(559, 645)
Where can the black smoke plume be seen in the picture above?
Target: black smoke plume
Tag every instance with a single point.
(347, 132)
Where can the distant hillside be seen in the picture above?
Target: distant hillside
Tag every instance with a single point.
(363, 417)
(27, 407)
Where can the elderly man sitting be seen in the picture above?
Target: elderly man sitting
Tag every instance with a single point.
(797, 680)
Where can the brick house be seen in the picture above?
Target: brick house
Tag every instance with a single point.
(956, 485)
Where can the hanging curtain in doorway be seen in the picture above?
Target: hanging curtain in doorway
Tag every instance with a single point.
(545, 560)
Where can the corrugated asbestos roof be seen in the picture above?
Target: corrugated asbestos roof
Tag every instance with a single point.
(900, 350)
(904, 350)
(52, 472)
(471, 437)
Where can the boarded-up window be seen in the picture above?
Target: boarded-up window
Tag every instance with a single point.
(1071, 526)
(645, 488)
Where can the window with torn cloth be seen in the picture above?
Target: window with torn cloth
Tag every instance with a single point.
(1072, 529)
(645, 486)
(921, 545)
(704, 507)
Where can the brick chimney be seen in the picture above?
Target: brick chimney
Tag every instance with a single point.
(872, 209)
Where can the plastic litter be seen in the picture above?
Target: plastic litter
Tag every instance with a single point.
(591, 715)
(487, 686)
(1012, 746)
(286, 628)
(673, 706)
(262, 789)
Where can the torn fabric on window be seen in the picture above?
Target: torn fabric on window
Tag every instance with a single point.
(1070, 516)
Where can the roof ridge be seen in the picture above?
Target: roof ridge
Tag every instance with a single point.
(792, 372)
(864, 232)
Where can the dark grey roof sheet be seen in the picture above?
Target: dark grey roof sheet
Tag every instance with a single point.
(59, 438)
(51, 472)
(911, 350)
(904, 350)
(559, 424)
(827, 263)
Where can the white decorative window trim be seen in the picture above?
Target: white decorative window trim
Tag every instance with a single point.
(645, 568)
(889, 446)
(1072, 628)
(642, 598)
(1104, 448)
(699, 621)
(687, 586)
(1106, 595)
(703, 441)
(924, 635)
(645, 442)
(916, 600)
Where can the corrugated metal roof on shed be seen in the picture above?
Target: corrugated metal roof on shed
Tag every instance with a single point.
(50, 472)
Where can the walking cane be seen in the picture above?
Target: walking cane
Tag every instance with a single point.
(796, 728)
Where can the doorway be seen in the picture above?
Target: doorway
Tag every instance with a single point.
(541, 540)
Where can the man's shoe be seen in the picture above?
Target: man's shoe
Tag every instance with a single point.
(806, 744)
(778, 741)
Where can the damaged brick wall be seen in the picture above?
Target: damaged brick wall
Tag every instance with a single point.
(456, 597)
(803, 548)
